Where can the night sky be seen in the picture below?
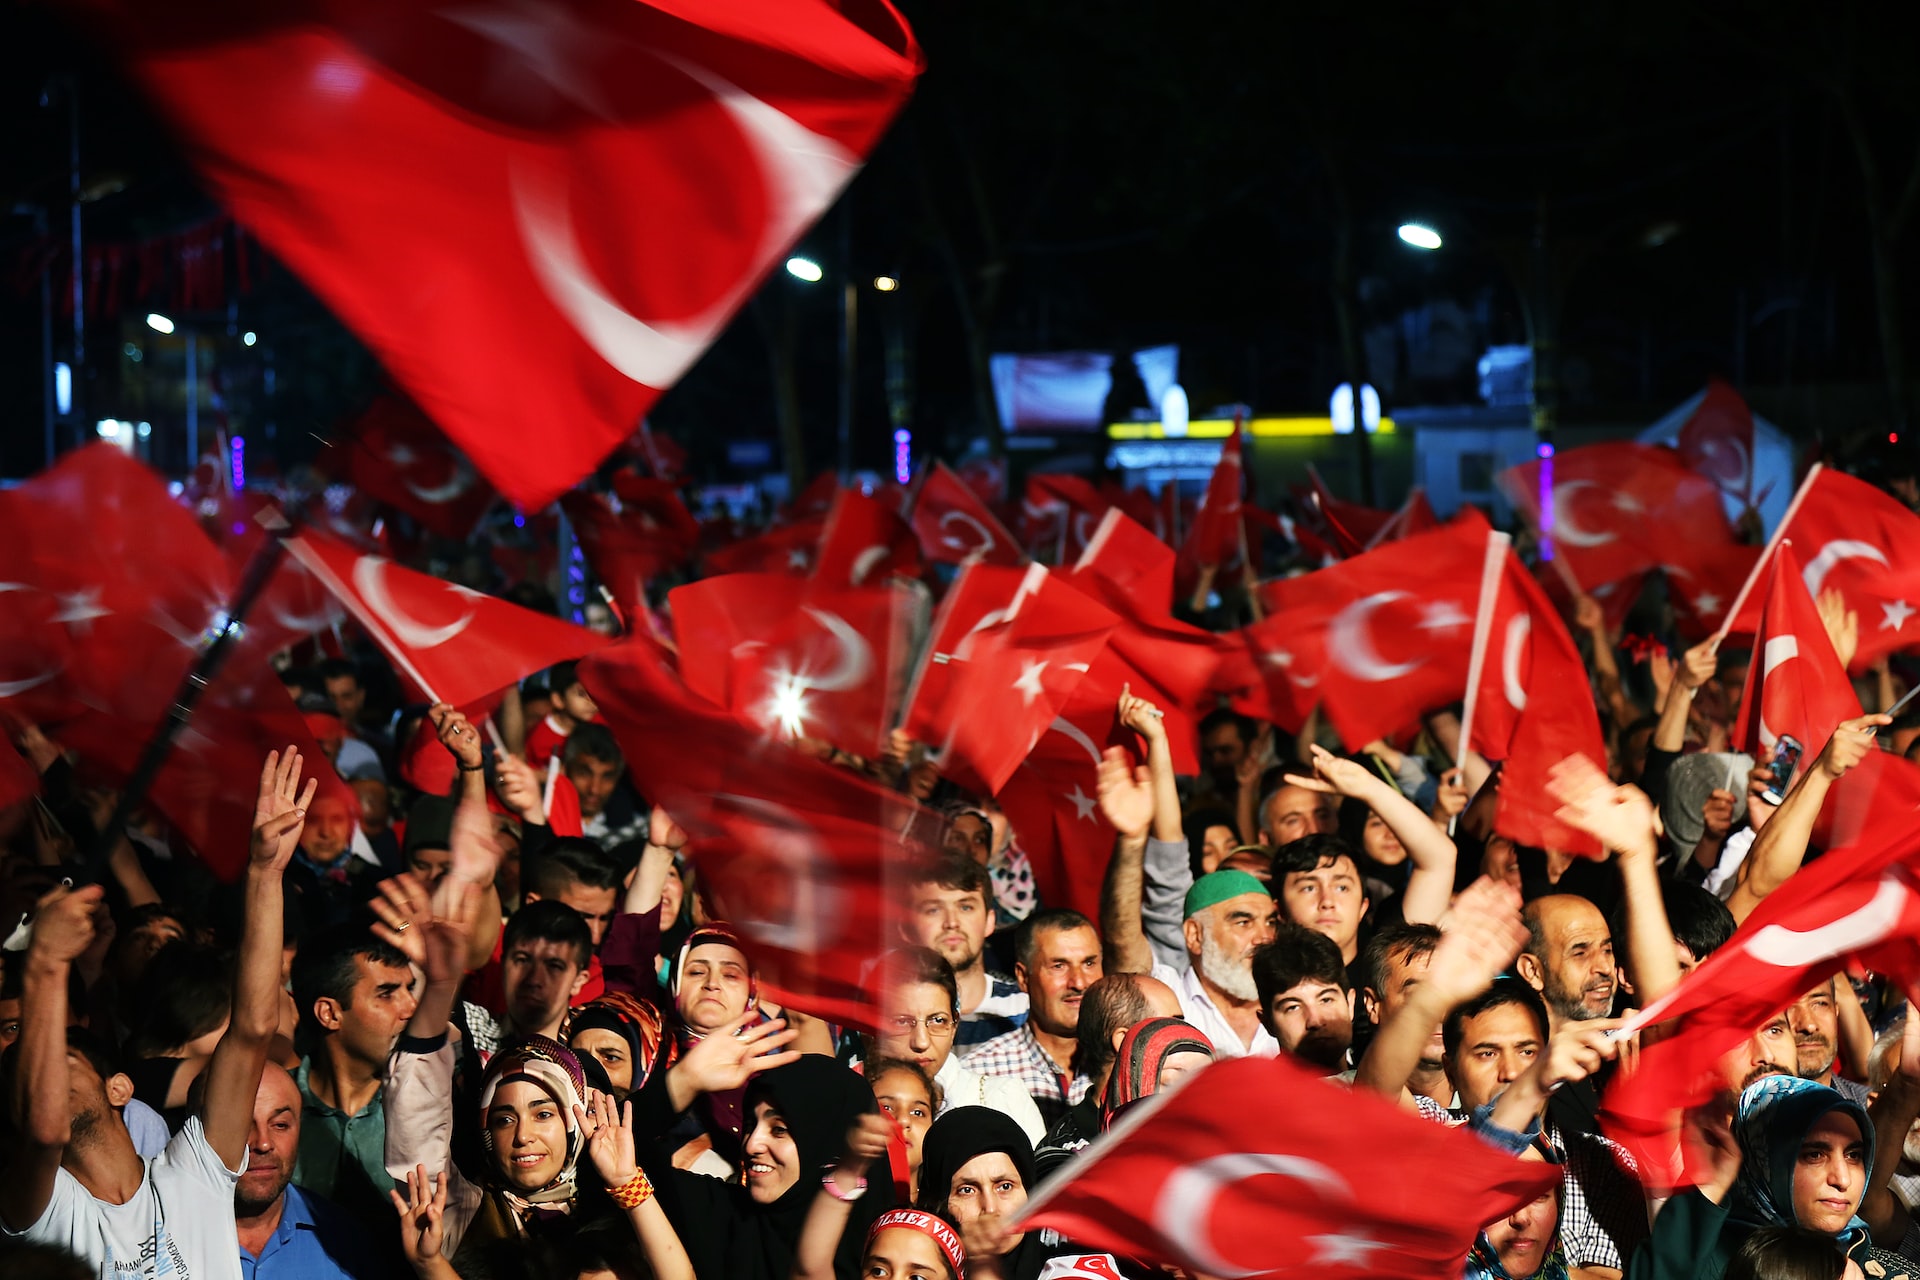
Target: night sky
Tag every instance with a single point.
(1107, 176)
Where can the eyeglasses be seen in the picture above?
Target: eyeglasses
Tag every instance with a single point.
(938, 1025)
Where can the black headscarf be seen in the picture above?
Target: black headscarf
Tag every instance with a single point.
(957, 1137)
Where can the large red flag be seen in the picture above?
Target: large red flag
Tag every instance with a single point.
(1315, 1180)
(1052, 802)
(540, 216)
(393, 452)
(795, 854)
(1059, 514)
(1796, 686)
(953, 524)
(1008, 648)
(1216, 535)
(1858, 902)
(1865, 544)
(1717, 441)
(452, 644)
(864, 543)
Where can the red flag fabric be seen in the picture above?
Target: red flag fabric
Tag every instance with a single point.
(293, 606)
(790, 548)
(1865, 544)
(864, 543)
(1618, 508)
(952, 523)
(1059, 515)
(1053, 805)
(1717, 441)
(1702, 582)
(793, 658)
(1008, 649)
(627, 174)
(1796, 685)
(451, 643)
(1215, 538)
(630, 540)
(1415, 515)
(394, 453)
(795, 854)
(1534, 708)
(1316, 1180)
(1859, 902)
(1348, 525)
(1377, 639)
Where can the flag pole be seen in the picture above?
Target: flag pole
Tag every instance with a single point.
(186, 700)
(1773, 545)
(1496, 560)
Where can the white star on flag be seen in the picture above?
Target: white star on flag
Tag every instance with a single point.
(1706, 602)
(1626, 502)
(1083, 803)
(1344, 1249)
(1443, 615)
(81, 606)
(1896, 615)
(1029, 682)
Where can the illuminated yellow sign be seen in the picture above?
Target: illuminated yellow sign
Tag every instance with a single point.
(1220, 428)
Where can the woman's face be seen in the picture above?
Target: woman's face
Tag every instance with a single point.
(672, 894)
(612, 1051)
(1181, 1064)
(1829, 1175)
(902, 1096)
(1215, 845)
(773, 1159)
(1501, 862)
(987, 1184)
(899, 1253)
(1381, 844)
(1522, 1238)
(529, 1135)
(713, 986)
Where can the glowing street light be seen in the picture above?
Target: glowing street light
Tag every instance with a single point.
(159, 323)
(249, 337)
(805, 269)
(885, 284)
(1419, 235)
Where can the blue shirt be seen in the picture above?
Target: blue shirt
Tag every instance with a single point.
(315, 1241)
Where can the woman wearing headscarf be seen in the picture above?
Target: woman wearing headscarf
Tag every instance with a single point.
(627, 1036)
(1804, 1152)
(1152, 1055)
(976, 1167)
(1526, 1244)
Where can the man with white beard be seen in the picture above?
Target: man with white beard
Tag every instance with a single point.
(1226, 917)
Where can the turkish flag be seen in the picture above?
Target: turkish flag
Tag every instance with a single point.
(538, 217)
(789, 548)
(1349, 526)
(1702, 581)
(1216, 534)
(794, 658)
(1717, 441)
(293, 605)
(1856, 902)
(1059, 514)
(1796, 686)
(1052, 802)
(1618, 508)
(665, 457)
(1315, 1180)
(1415, 515)
(395, 453)
(628, 541)
(1865, 544)
(1377, 639)
(953, 524)
(1534, 708)
(798, 856)
(1146, 511)
(452, 644)
(864, 543)
(1009, 647)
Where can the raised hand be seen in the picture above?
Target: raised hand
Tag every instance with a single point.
(1706, 1133)
(1587, 614)
(449, 930)
(279, 811)
(1126, 794)
(1759, 808)
(1141, 716)
(1450, 800)
(457, 734)
(63, 926)
(663, 832)
(732, 1055)
(1699, 665)
(474, 850)
(1479, 937)
(609, 1130)
(1717, 813)
(422, 1213)
(520, 788)
(1661, 667)
(1336, 775)
(1621, 818)
(1849, 745)
(1577, 1050)
(401, 911)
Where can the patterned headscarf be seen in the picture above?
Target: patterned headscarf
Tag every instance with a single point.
(554, 1068)
(639, 1023)
(1771, 1124)
(1142, 1053)
(1483, 1260)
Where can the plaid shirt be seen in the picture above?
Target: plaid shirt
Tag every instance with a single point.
(1018, 1056)
(1603, 1208)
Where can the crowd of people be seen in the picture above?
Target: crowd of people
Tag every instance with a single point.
(439, 1036)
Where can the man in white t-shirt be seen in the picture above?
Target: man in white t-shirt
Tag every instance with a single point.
(73, 1178)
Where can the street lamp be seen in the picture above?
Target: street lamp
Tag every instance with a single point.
(159, 323)
(1419, 235)
(885, 284)
(805, 269)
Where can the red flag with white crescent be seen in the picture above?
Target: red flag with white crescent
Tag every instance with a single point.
(1717, 441)
(864, 543)
(954, 525)
(394, 453)
(1795, 683)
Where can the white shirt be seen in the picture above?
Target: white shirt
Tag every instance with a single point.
(182, 1215)
(960, 1087)
(1725, 876)
(1198, 1008)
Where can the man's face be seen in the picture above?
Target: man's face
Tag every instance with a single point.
(1065, 963)
(1313, 1021)
(1816, 1032)
(1404, 972)
(9, 1023)
(1224, 750)
(1329, 899)
(539, 977)
(329, 733)
(1293, 812)
(1767, 1052)
(349, 699)
(273, 1143)
(1576, 972)
(369, 1024)
(596, 906)
(905, 1032)
(1496, 1047)
(1221, 941)
(376, 804)
(595, 780)
(88, 1100)
(969, 837)
(954, 922)
(329, 829)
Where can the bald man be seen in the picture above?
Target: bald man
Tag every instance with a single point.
(1109, 1007)
(285, 1232)
(1569, 960)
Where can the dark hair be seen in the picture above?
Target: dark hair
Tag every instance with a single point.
(185, 992)
(1109, 1005)
(877, 1065)
(1222, 716)
(592, 739)
(1051, 919)
(1505, 990)
(334, 668)
(1309, 852)
(560, 677)
(327, 965)
(96, 1049)
(951, 872)
(1196, 822)
(1700, 921)
(549, 921)
(566, 861)
(1393, 942)
(911, 966)
(1786, 1253)
(1296, 954)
